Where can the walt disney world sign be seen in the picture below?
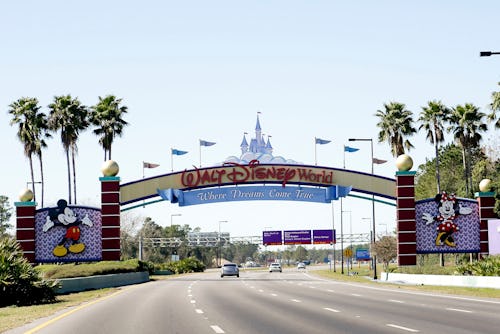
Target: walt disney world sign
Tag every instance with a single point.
(218, 180)
(255, 181)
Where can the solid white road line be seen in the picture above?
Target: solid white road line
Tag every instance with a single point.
(403, 328)
(217, 329)
(331, 310)
(458, 310)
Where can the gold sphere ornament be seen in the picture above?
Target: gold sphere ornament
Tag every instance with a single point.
(26, 195)
(485, 185)
(404, 162)
(110, 168)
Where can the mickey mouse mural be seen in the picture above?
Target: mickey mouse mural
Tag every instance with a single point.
(448, 210)
(64, 216)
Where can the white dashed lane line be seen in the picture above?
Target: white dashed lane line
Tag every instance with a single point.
(458, 310)
(355, 295)
(217, 329)
(331, 310)
(295, 300)
(396, 301)
(403, 328)
(199, 311)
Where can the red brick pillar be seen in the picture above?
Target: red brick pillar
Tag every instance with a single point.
(486, 201)
(110, 213)
(25, 228)
(405, 203)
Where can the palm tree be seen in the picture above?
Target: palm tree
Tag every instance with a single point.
(107, 115)
(33, 130)
(396, 123)
(466, 123)
(69, 116)
(432, 118)
(495, 106)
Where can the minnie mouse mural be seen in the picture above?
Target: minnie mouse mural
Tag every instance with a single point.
(64, 216)
(448, 210)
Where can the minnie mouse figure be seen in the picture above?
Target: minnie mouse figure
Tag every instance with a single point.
(449, 209)
(64, 216)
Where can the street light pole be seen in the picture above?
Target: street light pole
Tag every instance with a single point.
(219, 260)
(488, 53)
(172, 217)
(373, 207)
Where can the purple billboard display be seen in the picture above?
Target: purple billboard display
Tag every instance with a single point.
(323, 237)
(300, 237)
(272, 238)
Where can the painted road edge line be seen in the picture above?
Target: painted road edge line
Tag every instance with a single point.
(403, 328)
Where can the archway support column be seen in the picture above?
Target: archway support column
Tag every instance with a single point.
(406, 223)
(25, 228)
(110, 213)
(486, 201)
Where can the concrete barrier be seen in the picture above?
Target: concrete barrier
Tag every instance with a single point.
(443, 280)
(78, 284)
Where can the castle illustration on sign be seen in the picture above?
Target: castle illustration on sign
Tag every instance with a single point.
(259, 148)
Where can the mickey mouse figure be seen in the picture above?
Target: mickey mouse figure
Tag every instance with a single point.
(449, 209)
(64, 216)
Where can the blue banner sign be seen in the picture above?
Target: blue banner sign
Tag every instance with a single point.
(249, 193)
(362, 254)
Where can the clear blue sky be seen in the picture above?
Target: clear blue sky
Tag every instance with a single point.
(202, 69)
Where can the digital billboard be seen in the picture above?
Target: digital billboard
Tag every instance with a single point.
(272, 238)
(298, 237)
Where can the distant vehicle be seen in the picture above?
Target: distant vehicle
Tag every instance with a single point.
(229, 269)
(301, 265)
(275, 267)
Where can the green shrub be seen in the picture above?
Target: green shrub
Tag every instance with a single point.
(489, 266)
(20, 283)
(187, 265)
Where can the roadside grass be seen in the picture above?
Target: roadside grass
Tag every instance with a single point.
(364, 276)
(16, 316)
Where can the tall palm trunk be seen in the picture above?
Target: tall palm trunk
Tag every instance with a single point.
(42, 176)
(74, 173)
(469, 173)
(464, 161)
(69, 176)
(438, 178)
(32, 178)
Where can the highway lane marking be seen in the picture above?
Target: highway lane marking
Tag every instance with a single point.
(403, 328)
(330, 290)
(76, 309)
(405, 291)
(199, 311)
(193, 301)
(274, 295)
(355, 295)
(331, 309)
(458, 310)
(396, 301)
(295, 300)
(217, 329)
(260, 290)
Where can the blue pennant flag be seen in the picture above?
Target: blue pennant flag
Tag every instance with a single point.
(322, 141)
(350, 149)
(206, 143)
(178, 152)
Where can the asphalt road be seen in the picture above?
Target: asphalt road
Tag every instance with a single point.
(266, 303)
